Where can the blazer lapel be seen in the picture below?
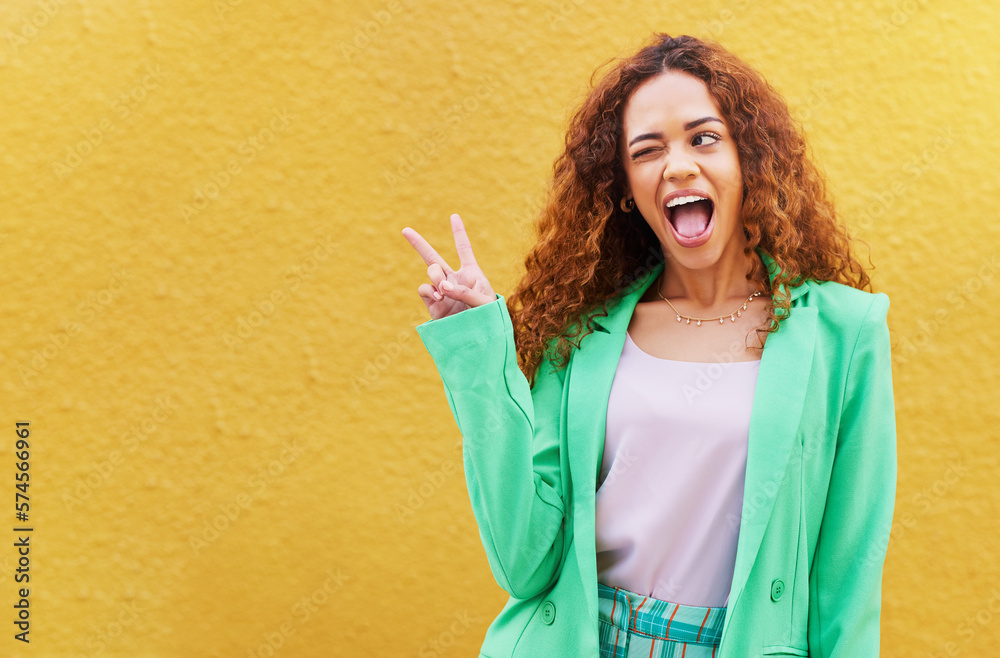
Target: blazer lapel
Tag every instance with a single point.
(774, 421)
(591, 373)
(777, 407)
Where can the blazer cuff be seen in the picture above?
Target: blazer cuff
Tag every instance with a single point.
(480, 324)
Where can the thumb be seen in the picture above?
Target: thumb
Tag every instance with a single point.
(464, 294)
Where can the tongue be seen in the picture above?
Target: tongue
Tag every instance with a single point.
(691, 219)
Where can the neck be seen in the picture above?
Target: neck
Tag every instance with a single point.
(707, 289)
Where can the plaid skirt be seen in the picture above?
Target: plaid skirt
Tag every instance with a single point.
(633, 625)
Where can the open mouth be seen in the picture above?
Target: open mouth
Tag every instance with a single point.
(692, 218)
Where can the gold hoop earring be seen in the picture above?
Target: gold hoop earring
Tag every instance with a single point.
(627, 205)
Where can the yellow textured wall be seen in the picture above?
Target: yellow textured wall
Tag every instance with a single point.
(240, 446)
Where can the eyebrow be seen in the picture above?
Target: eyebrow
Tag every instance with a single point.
(687, 126)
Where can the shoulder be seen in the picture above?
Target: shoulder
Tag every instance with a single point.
(846, 317)
(841, 304)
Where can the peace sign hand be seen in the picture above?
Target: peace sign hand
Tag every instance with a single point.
(452, 291)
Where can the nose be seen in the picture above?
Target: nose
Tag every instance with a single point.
(679, 166)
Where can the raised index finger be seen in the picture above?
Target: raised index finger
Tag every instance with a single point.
(425, 250)
(462, 244)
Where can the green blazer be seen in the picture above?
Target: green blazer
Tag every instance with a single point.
(820, 476)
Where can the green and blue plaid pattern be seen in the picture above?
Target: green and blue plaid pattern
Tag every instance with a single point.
(633, 625)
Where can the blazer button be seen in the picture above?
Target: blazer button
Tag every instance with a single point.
(548, 612)
(777, 589)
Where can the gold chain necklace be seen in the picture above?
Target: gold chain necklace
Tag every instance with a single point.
(732, 316)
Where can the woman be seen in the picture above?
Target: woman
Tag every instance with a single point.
(679, 438)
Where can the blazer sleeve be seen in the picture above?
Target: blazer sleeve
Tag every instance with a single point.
(510, 443)
(845, 582)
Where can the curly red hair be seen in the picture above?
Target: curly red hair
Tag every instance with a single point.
(588, 249)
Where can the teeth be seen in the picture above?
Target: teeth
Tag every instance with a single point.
(684, 199)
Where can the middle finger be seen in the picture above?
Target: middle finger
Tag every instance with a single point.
(425, 250)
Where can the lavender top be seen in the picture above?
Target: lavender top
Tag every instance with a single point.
(670, 489)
